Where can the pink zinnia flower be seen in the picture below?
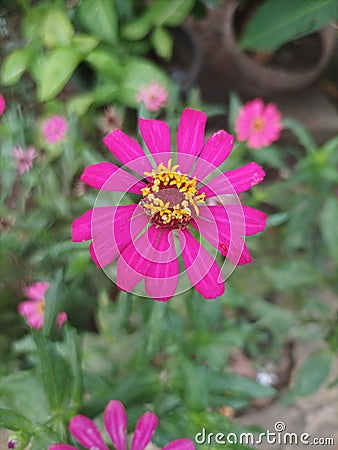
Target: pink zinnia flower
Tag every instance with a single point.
(34, 308)
(24, 159)
(172, 208)
(54, 129)
(115, 422)
(2, 104)
(154, 96)
(258, 124)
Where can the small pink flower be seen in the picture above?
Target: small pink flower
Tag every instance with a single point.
(258, 124)
(115, 422)
(24, 159)
(154, 96)
(2, 104)
(54, 129)
(33, 309)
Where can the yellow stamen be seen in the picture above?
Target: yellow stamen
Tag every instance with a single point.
(171, 197)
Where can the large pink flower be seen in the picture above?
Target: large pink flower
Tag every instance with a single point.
(258, 124)
(154, 96)
(2, 104)
(165, 225)
(115, 422)
(34, 308)
(54, 129)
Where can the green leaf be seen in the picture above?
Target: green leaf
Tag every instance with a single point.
(276, 22)
(137, 29)
(196, 386)
(162, 42)
(313, 372)
(55, 373)
(238, 385)
(79, 104)
(52, 299)
(56, 70)
(105, 62)
(84, 43)
(12, 420)
(234, 107)
(13, 67)
(57, 29)
(328, 220)
(99, 18)
(301, 133)
(170, 12)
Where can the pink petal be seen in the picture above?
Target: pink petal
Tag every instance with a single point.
(216, 150)
(224, 238)
(109, 177)
(87, 433)
(180, 444)
(156, 135)
(135, 260)
(243, 219)
(113, 228)
(126, 150)
(144, 431)
(238, 180)
(162, 276)
(202, 271)
(82, 228)
(61, 447)
(36, 291)
(190, 137)
(32, 312)
(115, 422)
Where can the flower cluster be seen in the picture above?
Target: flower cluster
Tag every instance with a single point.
(148, 237)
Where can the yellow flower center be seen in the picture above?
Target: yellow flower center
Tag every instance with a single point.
(41, 306)
(171, 198)
(257, 124)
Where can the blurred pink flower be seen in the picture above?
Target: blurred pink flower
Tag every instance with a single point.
(115, 422)
(2, 104)
(24, 159)
(258, 124)
(154, 96)
(54, 129)
(171, 203)
(34, 308)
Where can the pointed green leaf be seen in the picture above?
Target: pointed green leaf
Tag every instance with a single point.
(277, 22)
(52, 303)
(55, 72)
(13, 67)
(162, 42)
(84, 43)
(99, 18)
(14, 421)
(170, 12)
(313, 372)
(57, 29)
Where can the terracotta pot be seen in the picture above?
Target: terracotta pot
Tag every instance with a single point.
(186, 59)
(253, 79)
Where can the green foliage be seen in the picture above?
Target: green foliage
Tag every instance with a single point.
(276, 23)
